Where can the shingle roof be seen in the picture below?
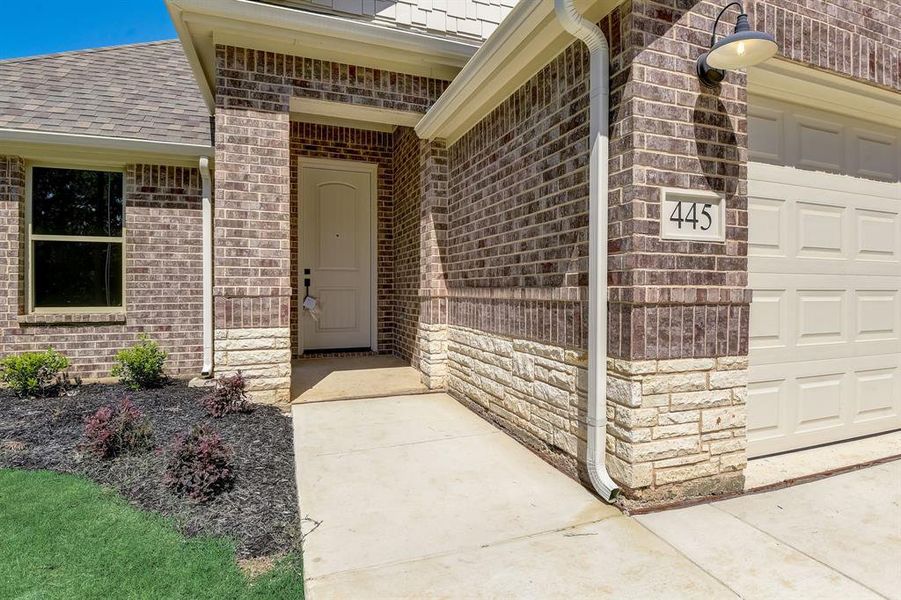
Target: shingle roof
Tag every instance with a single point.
(144, 91)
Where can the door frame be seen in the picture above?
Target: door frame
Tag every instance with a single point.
(355, 167)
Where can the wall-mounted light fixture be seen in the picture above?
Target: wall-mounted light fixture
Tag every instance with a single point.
(744, 48)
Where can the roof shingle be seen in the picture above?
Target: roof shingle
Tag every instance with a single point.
(144, 91)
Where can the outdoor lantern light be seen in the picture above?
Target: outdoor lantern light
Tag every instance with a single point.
(744, 48)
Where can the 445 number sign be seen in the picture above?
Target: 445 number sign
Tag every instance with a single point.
(692, 215)
(691, 218)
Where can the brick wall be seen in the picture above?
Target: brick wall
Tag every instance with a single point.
(266, 81)
(523, 169)
(345, 143)
(407, 239)
(12, 239)
(162, 279)
(859, 39)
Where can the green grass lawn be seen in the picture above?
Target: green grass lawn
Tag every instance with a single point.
(65, 537)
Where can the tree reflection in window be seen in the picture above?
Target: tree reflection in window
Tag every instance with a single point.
(76, 223)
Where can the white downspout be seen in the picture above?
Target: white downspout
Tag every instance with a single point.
(599, 103)
(207, 236)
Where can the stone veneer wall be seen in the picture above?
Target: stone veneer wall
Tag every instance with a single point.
(163, 275)
(346, 143)
(676, 428)
(534, 391)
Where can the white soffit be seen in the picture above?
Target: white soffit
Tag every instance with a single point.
(201, 24)
(354, 112)
(526, 40)
(791, 82)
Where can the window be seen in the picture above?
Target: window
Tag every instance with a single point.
(76, 239)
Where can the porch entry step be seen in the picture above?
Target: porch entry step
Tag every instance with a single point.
(353, 378)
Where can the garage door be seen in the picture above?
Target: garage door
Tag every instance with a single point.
(824, 199)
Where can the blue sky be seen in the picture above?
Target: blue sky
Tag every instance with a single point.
(43, 26)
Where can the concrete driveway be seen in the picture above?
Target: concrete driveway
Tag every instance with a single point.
(417, 497)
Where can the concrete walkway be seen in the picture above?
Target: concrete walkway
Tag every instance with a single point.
(417, 497)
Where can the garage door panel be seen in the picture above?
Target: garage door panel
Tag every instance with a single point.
(878, 235)
(821, 401)
(768, 237)
(878, 394)
(825, 269)
(874, 154)
(821, 317)
(819, 143)
(821, 231)
(814, 321)
(878, 315)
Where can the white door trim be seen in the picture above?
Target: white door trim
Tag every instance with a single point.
(356, 167)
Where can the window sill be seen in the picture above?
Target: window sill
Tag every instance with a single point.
(72, 318)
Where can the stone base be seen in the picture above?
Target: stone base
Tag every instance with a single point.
(262, 355)
(433, 355)
(676, 428)
(534, 391)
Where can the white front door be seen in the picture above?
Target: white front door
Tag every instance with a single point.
(335, 253)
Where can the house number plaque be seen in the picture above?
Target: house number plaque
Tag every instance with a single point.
(692, 215)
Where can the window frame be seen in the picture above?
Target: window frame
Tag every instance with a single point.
(31, 238)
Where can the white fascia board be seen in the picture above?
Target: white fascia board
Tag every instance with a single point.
(792, 82)
(526, 40)
(33, 144)
(205, 82)
(200, 23)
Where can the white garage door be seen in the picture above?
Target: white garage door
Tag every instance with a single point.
(825, 265)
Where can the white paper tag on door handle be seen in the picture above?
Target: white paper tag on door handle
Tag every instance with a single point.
(311, 305)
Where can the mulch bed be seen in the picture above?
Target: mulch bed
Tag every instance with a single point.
(259, 513)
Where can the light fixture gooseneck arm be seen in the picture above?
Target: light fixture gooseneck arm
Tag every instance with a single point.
(719, 16)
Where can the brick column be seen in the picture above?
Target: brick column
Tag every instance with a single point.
(12, 245)
(252, 225)
(433, 280)
(679, 312)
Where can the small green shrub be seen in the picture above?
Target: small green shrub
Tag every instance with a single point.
(33, 373)
(140, 366)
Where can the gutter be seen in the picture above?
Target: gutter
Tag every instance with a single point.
(599, 176)
(207, 245)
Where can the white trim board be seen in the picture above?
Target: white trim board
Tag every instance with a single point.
(99, 150)
(791, 82)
